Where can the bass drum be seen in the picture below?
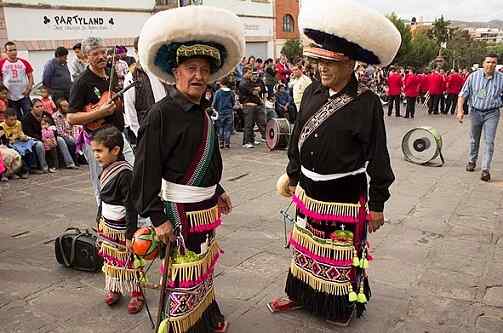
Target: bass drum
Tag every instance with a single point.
(278, 131)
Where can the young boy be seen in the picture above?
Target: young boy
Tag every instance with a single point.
(17, 140)
(118, 220)
(224, 104)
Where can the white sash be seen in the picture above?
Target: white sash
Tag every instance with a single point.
(323, 178)
(113, 212)
(185, 193)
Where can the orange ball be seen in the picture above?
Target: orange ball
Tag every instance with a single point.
(145, 244)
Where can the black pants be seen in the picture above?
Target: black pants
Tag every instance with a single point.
(51, 156)
(433, 104)
(451, 103)
(395, 99)
(253, 115)
(411, 107)
(442, 104)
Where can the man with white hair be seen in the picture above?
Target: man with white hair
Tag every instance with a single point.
(178, 163)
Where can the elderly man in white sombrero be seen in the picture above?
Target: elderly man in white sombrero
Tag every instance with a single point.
(339, 138)
(178, 164)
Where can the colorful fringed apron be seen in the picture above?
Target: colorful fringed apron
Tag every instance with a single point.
(123, 273)
(330, 253)
(191, 305)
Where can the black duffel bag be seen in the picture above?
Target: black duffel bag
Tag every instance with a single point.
(78, 250)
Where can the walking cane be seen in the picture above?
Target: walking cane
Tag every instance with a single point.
(164, 293)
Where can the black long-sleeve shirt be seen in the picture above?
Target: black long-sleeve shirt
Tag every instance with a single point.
(248, 92)
(167, 144)
(343, 143)
(118, 192)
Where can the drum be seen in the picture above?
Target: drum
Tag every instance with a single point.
(421, 145)
(277, 133)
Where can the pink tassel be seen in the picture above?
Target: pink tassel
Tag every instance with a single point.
(206, 227)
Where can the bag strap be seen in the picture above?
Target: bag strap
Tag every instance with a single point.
(74, 229)
(61, 250)
(326, 111)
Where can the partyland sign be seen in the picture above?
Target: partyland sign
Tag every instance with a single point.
(49, 24)
(77, 22)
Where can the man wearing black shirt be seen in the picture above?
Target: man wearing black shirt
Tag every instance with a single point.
(178, 164)
(87, 90)
(339, 138)
(250, 92)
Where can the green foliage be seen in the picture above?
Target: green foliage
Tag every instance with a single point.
(292, 49)
(440, 30)
(420, 51)
(406, 34)
(423, 50)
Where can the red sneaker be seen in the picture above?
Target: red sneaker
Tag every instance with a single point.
(111, 297)
(135, 304)
(283, 305)
(221, 327)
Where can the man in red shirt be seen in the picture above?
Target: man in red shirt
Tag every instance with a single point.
(454, 83)
(412, 83)
(436, 90)
(442, 97)
(394, 90)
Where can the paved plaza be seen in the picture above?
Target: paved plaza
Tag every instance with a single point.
(438, 261)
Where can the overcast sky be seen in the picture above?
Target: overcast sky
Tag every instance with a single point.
(469, 10)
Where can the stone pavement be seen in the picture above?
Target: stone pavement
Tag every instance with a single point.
(438, 260)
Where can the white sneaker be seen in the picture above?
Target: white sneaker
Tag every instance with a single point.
(257, 142)
(52, 170)
(248, 145)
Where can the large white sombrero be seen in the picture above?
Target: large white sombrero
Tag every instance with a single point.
(174, 35)
(345, 28)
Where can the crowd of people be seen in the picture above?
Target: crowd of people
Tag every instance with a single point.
(243, 101)
(35, 136)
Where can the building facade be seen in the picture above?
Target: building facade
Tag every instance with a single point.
(258, 19)
(39, 26)
(287, 28)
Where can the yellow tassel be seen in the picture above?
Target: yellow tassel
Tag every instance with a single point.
(364, 263)
(356, 260)
(361, 295)
(352, 295)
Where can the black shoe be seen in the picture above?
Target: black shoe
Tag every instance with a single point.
(485, 176)
(470, 166)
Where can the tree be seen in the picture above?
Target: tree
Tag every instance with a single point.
(423, 50)
(440, 30)
(463, 51)
(406, 34)
(292, 49)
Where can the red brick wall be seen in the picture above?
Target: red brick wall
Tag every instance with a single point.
(284, 7)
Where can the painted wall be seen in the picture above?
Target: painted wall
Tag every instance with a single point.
(55, 24)
(133, 4)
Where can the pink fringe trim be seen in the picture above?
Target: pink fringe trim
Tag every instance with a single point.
(114, 240)
(321, 217)
(114, 261)
(206, 227)
(331, 262)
